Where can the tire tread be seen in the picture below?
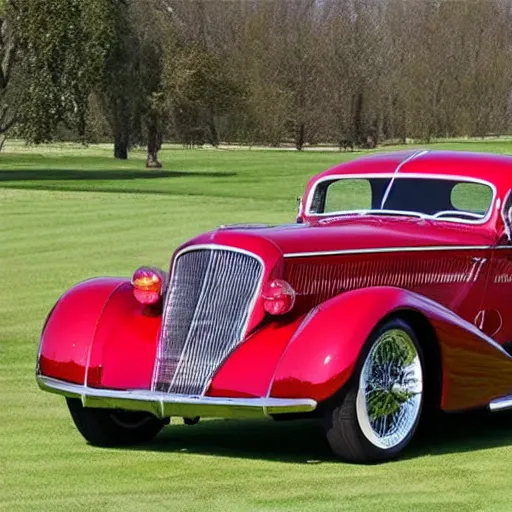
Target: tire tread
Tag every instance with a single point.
(99, 428)
(342, 429)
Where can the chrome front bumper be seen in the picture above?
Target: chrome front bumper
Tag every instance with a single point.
(165, 405)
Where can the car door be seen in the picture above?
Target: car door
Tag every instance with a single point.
(495, 318)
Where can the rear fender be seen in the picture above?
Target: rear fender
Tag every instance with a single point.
(323, 353)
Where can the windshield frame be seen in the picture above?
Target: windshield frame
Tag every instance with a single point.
(394, 176)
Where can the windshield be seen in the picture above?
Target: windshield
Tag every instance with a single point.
(449, 199)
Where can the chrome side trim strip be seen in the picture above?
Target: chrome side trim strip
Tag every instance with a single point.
(165, 405)
(389, 249)
(501, 404)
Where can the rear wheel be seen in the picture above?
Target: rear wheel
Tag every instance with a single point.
(380, 412)
(107, 427)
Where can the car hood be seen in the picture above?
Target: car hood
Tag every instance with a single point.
(361, 234)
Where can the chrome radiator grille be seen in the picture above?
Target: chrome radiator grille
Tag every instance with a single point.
(208, 305)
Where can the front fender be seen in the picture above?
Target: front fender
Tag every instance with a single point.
(323, 353)
(99, 335)
(70, 328)
(125, 343)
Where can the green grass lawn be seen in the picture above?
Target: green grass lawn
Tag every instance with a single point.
(69, 213)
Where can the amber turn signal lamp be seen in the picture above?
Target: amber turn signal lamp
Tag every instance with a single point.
(147, 285)
(278, 297)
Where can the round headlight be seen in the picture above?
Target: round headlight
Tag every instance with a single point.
(148, 285)
(278, 297)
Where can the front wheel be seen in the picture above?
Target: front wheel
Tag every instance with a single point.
(381, 409)
(107, 427)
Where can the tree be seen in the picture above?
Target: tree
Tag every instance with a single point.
(131, 84)
(64, 44)
(301, 65)
(199, 91)
(9, 75)
(120, 83)
(258, 71)
(153, 27)
(199, 84)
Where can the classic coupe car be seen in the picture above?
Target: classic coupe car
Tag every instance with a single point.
(387, 300)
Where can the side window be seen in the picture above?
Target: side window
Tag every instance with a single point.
(506, 214)
(348, 194)
(471, 197)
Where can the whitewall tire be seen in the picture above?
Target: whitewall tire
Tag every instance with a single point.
(382, 406)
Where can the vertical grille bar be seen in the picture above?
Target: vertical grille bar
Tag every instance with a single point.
(207, 309)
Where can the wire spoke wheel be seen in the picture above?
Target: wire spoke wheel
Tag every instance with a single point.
(390, 392)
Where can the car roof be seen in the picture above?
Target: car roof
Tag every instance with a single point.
(496, 169)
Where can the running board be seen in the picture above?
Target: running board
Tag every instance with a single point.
(507, 347)
(500, 404)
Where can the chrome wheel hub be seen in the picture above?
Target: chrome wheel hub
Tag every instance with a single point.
(390, 390)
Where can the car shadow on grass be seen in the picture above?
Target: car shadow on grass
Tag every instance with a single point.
(103, 175)
(463, 432)
(302, 441)
(287, 441)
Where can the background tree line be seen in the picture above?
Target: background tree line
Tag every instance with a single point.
(348, 72)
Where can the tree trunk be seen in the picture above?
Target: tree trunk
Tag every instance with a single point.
(121, 125)
(357, 120)
(299, 136)
(154, 144)
(121, 147)
(212, 131)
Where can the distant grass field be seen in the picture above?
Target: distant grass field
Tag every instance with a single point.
(68, 213)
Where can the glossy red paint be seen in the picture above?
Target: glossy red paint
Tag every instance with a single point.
(322, 354)
(370, 233)
(249, 369)
(475, 370)
(69, 332)
(456, 279)
(101, 335)
(124, 349)
(496, 321)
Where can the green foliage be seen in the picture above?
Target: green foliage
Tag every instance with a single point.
(11, 79)
(131, 85)
(260, 71)
(64, 44)
(119, 88)
(200, 87)
(210, 87)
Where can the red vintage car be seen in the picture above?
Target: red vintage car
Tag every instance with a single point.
(389, 298)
